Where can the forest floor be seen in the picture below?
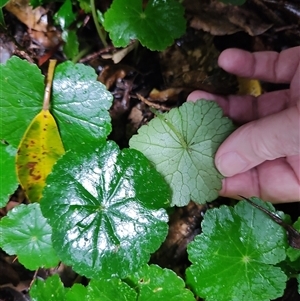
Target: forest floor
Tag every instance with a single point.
(145, 79)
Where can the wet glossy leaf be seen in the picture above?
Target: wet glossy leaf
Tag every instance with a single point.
(105, 210)
(243, 245)
(182, 144)
(8, 177)
(38, 151)
(156, 284)
(155, 26)
(293, 234)
(110, 290)
(71, 46)
(52, 286)
(79, 103)
(26, 233)
(77, 292)
(65, 16)
(22, 92)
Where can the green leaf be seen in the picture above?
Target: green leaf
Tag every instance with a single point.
(26, 233)
(155, 27)
(100, 17)
(77, 292)
(2, 21)
(292, 253)
(298, 278)
(110, 290)
(35, 3)
(102, 289)
(21, 98)
(182, 144)
(234, 256)
(85, 5)
(52, 286)
(109, 218)
(79, 102)
(71, 46)
(156, 284)
(8, 177)
(3, 3)
(65, 16)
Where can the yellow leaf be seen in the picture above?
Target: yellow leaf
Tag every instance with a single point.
(249, 87)
(40, 148)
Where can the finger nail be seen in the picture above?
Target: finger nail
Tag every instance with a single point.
(230, 164)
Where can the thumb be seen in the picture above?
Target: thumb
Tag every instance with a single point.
(268, 138)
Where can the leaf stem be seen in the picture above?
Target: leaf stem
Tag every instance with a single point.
(47, 95)
(83, 52)
(98, 27)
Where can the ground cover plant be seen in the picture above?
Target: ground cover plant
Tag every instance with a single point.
(103, 210)
(112, 215)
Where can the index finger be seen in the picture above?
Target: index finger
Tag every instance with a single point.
(266, 65)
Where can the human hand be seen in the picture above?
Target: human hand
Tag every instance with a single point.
(262, 157)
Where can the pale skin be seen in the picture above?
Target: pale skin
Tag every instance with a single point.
(262, 157)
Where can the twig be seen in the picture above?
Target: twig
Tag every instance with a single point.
(50, 74)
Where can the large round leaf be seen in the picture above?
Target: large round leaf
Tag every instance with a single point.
(26, 233)
(8, 177)
(155, 25)
(21, 97)
(234, 257)
(110, 290)
(105, 210)
(182, 144)
(80, 104)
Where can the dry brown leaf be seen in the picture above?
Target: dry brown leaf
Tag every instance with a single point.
(152, 104)
(110, 74)
(33, 18)
(118, 56)
(164, 95)
(37, 22)
(136, 116)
